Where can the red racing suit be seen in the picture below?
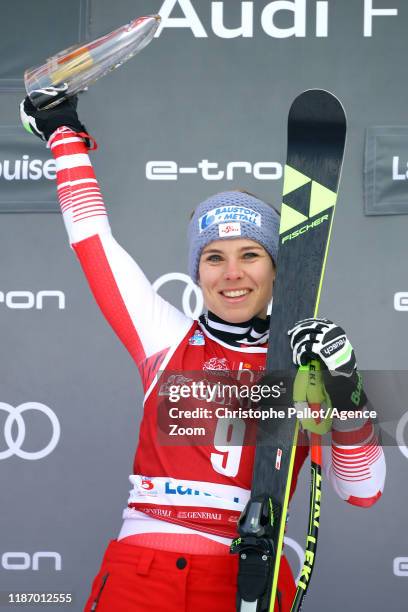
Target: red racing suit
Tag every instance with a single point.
(181, 488)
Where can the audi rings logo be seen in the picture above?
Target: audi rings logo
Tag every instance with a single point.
(15, 426)
(190, 290)
(399, 434)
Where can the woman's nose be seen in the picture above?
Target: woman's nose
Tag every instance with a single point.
(233, 270)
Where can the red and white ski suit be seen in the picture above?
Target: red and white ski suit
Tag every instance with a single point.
(198, 489)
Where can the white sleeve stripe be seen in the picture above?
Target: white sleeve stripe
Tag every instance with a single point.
(65, 141)
(86, 210)
(84, 193)
(350, 471)
(68, 184)
(79, 203)
(80, 192)
(88, 194)
(92, 216)
(87, 203)
(76, 160)
(356, 463)
(364, 456)
(67, 202)
(355, 479)
(347, 475)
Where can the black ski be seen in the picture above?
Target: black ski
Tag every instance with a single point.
(316, 138)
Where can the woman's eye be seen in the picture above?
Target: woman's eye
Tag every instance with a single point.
(213, 258)
(250, 255)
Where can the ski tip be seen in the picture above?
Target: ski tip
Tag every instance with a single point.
(317, 106)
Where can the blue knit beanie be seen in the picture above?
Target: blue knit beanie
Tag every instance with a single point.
(231, 214)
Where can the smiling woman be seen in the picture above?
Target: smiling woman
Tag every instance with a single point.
(236, 278)
(172, 552)
(233, 244)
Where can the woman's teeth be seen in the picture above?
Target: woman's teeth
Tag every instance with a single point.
(238, 293)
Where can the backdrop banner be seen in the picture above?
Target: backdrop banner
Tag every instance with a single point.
(27, 173)
(386, 171)
(203, 109)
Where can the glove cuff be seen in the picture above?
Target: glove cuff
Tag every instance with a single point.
(89, 140)
(345, 393)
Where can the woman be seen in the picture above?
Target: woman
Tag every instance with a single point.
(172, 552)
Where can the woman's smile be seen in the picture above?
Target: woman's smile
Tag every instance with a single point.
(236, 277)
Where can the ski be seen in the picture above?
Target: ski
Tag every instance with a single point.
(316, 140)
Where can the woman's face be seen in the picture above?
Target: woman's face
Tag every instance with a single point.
(236, 277)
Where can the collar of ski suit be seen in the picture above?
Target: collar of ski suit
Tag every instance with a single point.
(252, 332)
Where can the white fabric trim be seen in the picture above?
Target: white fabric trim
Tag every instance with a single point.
(136, 523)
(77, 182)
(238, 349)
(75, 160)
(54, 145)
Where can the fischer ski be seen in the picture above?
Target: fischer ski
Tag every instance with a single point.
(316, 139)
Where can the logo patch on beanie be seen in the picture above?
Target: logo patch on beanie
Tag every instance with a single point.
(229, 229)
(228, 214)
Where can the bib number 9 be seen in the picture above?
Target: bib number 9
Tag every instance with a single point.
(228, 439)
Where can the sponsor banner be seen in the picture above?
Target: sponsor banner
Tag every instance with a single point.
(298, 22)
(213, 171)
(386, 171)
(25, 437)
(27, 173)
(20, 561)
(401, 301)
(400, 567)
(27, 300)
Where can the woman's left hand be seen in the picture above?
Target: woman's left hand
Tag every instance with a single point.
(324, 340)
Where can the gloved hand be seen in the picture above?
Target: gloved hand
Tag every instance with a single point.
(324, 340)
(43, 123)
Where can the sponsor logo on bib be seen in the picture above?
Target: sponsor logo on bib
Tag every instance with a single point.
(197, 339)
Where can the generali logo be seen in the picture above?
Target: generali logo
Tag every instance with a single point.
(304, 18)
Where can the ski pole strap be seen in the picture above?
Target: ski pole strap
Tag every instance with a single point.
(256, 551)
